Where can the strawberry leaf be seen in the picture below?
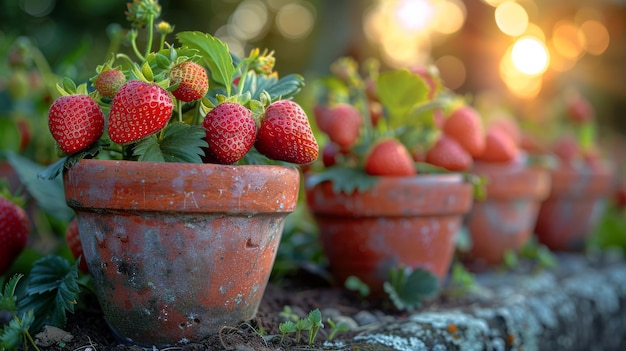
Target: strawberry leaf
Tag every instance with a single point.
(345, 179)
(400, 91)
(13, 333)
(286, 87)
(7, 298)
(179, 143)
(52, 290)
(214, 53)
(407, 288)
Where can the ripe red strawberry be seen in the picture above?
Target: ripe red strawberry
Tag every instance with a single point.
(389, 157)
(138, 109)
(109, 82)
(285, 134)
(465, 126)
(14, 229)
(499, 147)
(230, 132)
(75, 122)
(192, 79)
(321, 113)
(509, 126)
(72, 238)
(447, 153)
(343, 125)
(329, 154)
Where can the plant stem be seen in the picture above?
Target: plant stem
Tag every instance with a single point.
(150, 27)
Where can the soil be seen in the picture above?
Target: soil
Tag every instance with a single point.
(302, 294)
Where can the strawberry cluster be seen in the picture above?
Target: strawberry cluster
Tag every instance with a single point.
(191, 102)
(402, 122)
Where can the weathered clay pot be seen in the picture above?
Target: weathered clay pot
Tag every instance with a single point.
(506, 218)
(574, 207)
(401, 221)
(178, 250)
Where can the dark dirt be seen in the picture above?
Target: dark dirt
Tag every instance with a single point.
(90, 330)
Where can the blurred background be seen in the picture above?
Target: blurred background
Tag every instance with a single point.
(522, 54)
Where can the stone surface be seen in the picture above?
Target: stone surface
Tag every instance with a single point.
(580, 306)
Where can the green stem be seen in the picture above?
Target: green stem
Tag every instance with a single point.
(162, 41)
(150, 27)
(135, 49)
(30, 338)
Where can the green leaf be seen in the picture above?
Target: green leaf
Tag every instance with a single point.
(148, 150)
(355, 284)
(400, 91)
(408, 288)
(315, 316)
(287, 327)
(12, 333)
(179, 143)
(214, 53)
(7, 299)
(49, 194)
(286, 87)
(52, 291)
(344, 178)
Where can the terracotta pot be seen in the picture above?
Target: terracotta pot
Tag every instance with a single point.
(408, 221)
(574, 207)
(178, 250)
(505, 219)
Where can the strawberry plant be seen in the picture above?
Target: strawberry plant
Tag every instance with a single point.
(390, 123)
(50, 291)
(190, 100)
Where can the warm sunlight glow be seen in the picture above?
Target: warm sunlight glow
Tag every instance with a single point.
(511, 18)
(521, 85)
(295, 20)
(530, 56)
(567, 40)
(450, 16)
(596, 37)
(415, 15)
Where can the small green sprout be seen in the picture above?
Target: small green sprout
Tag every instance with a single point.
(336, 328)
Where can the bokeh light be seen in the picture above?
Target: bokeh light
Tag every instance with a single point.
(406, 30)
(452, 70)
(249, 20)
(295, 20)
(596, 37)
(567, 40)
(511, 18)
(530, 56)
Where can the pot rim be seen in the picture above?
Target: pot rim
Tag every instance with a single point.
(420, 195)
(181, 187)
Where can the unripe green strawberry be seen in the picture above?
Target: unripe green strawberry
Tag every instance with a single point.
(192, 81)
(109, 82)
(389, 157)
(138, 109)
(230, 132)
(465, 126)
(75, 122)
(448, 154)
(14, 229)
(285, 134)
